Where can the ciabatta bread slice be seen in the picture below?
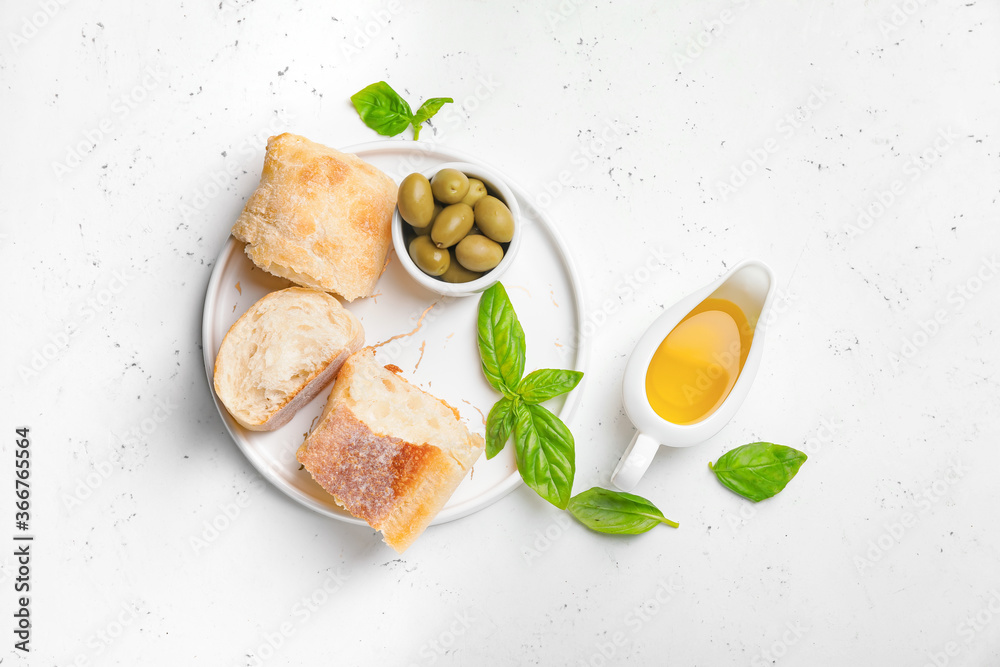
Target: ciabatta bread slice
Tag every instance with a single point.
(319, 217)
(388, 452)
(281, 353)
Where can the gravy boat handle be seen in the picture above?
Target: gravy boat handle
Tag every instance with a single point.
(635, 461)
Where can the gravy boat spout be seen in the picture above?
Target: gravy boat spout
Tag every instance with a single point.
(751, 286)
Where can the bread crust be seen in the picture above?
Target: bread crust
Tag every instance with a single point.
(396, 486)
(319, 217)
(367, 472)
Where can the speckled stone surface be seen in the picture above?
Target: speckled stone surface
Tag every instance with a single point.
(854, 147)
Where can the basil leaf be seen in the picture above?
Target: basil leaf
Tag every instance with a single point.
(545, 453)
(382, 109)
(616, 513)
(758, 470)
(499, 426)
(501, 341)
(541, 385)
(426, 110)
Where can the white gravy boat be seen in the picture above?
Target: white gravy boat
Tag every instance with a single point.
(751, 286)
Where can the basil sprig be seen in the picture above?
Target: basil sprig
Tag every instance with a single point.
(758, 470)
(616, 513)
(501, 341)
(426, 110)
(543, 446)
(545, 453)
(383, 110)
(541, 385)
(499, 426)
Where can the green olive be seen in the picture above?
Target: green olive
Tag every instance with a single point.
(424, 231)
(416, 200)
(478, 253)
(450, 186)
(494, 219)
(451, 225)
(457, 273)
(429, 258)
(476, 192)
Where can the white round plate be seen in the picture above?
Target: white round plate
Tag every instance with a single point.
(441, 357)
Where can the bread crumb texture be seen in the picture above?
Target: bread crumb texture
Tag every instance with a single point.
(278, 347)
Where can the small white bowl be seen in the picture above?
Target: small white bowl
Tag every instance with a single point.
(495, 185)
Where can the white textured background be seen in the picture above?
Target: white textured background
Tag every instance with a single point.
(167, 98)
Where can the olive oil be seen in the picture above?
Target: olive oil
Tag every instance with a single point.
(695, 367)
